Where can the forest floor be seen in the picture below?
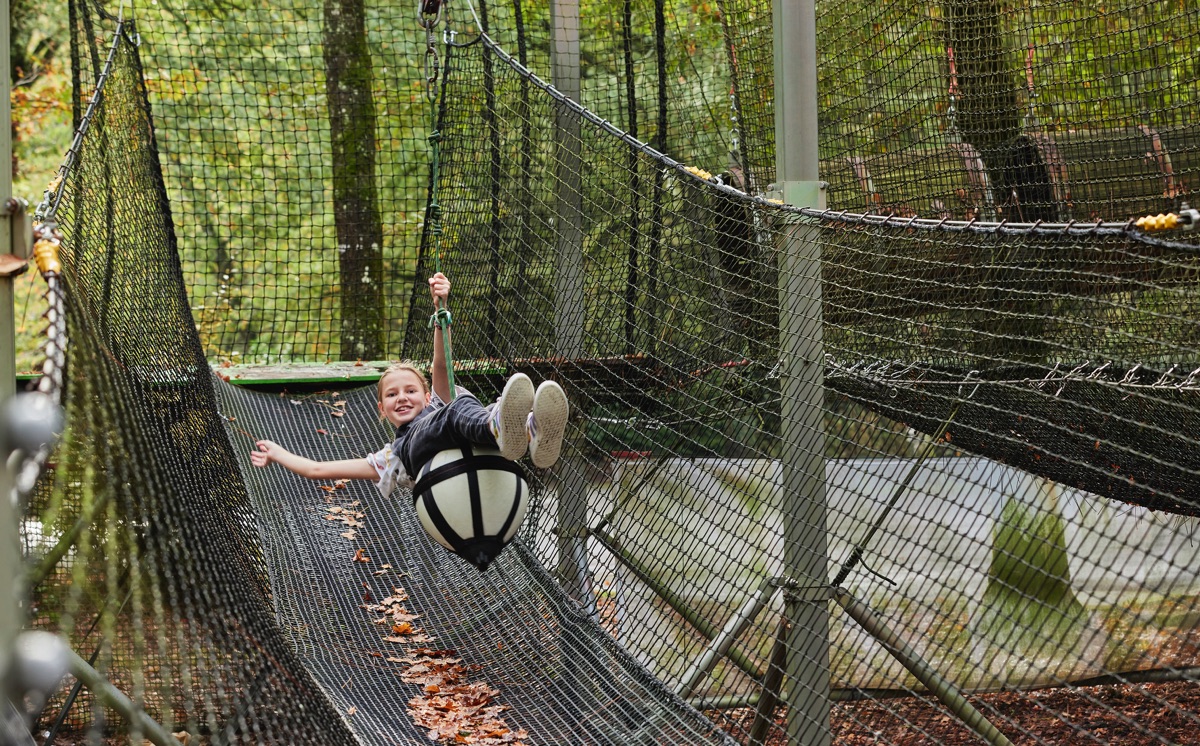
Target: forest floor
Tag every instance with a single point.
(1128, 715)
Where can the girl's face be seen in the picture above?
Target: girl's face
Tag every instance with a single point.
(402, 396)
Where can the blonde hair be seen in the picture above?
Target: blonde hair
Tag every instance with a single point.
(397, 368)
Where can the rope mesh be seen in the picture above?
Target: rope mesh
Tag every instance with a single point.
(1003, 450)
(144, 542)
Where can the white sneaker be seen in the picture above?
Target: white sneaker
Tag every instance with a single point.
(509, 415)
(547, 424)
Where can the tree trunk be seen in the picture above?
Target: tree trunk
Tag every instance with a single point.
(356, 213)
(989, 118)
(988, 113)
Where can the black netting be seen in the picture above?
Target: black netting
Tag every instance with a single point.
(1061, 354)
(562, 678)
(955, 412)
(145, 544)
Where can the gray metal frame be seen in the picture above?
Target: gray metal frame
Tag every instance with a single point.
(802, 364)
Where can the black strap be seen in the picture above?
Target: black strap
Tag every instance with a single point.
(469, 463)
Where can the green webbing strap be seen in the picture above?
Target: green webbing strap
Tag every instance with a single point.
(433, 214)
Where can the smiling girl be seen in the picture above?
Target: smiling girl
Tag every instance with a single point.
(428, 421)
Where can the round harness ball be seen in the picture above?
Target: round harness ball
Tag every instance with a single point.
(471, 501)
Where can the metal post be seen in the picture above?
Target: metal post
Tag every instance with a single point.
(568, 219)
(720, 644)
(568, 286)
(116, 699)
(10, 556)
(946, 693)
(802, 358)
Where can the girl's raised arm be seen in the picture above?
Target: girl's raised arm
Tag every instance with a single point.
(439, 288)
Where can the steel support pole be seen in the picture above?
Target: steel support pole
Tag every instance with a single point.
(719, 646)
(568, 288)
(568, 218)
(116, 699)
(802, 364)
(10, 555)
(946, 692)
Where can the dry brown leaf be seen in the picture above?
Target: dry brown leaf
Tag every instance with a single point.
(182, 736)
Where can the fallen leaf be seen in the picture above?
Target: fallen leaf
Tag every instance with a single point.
(360, 556)
(322, 432)
(349, 534)
(351, 710)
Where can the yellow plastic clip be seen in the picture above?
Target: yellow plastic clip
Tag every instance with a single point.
(698, 172)
(45, 249)
(1158, 222)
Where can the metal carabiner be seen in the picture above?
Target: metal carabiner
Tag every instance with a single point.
(426, 9)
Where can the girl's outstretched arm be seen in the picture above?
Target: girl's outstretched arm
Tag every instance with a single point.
(439, 288)
(268, 452)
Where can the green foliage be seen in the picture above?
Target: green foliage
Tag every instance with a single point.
(41, 126)
(238, 93)
(1029, 604)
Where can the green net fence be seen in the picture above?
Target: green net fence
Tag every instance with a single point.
(143, 550)
(918, 468)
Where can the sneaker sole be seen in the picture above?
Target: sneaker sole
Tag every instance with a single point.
(550, 409)
(515, 402)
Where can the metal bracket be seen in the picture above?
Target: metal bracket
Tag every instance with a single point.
(804, 193)
(20, 223)
(793, 592)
